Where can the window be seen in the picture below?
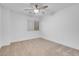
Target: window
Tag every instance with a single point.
(33, 25)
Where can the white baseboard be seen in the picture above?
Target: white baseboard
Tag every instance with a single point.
(5, 44)
(60, 42)
(28, 36)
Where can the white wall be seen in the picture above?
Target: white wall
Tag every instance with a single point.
(19, 27)
(63, 27)
(0, 25)
(13, 27)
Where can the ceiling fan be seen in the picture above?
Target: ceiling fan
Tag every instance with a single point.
(36, 7)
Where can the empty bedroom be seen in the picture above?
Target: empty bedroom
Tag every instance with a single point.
(39, 29)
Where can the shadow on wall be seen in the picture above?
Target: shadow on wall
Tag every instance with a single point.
(63, 27)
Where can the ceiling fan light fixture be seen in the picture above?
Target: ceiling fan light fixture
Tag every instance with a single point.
(36, 11)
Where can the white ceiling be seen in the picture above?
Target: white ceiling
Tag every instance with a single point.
(52, 7)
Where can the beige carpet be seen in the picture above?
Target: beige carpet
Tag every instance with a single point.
(37, 47)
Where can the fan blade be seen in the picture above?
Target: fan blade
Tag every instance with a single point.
(43, 7)
(35, 6)
(28, 9)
